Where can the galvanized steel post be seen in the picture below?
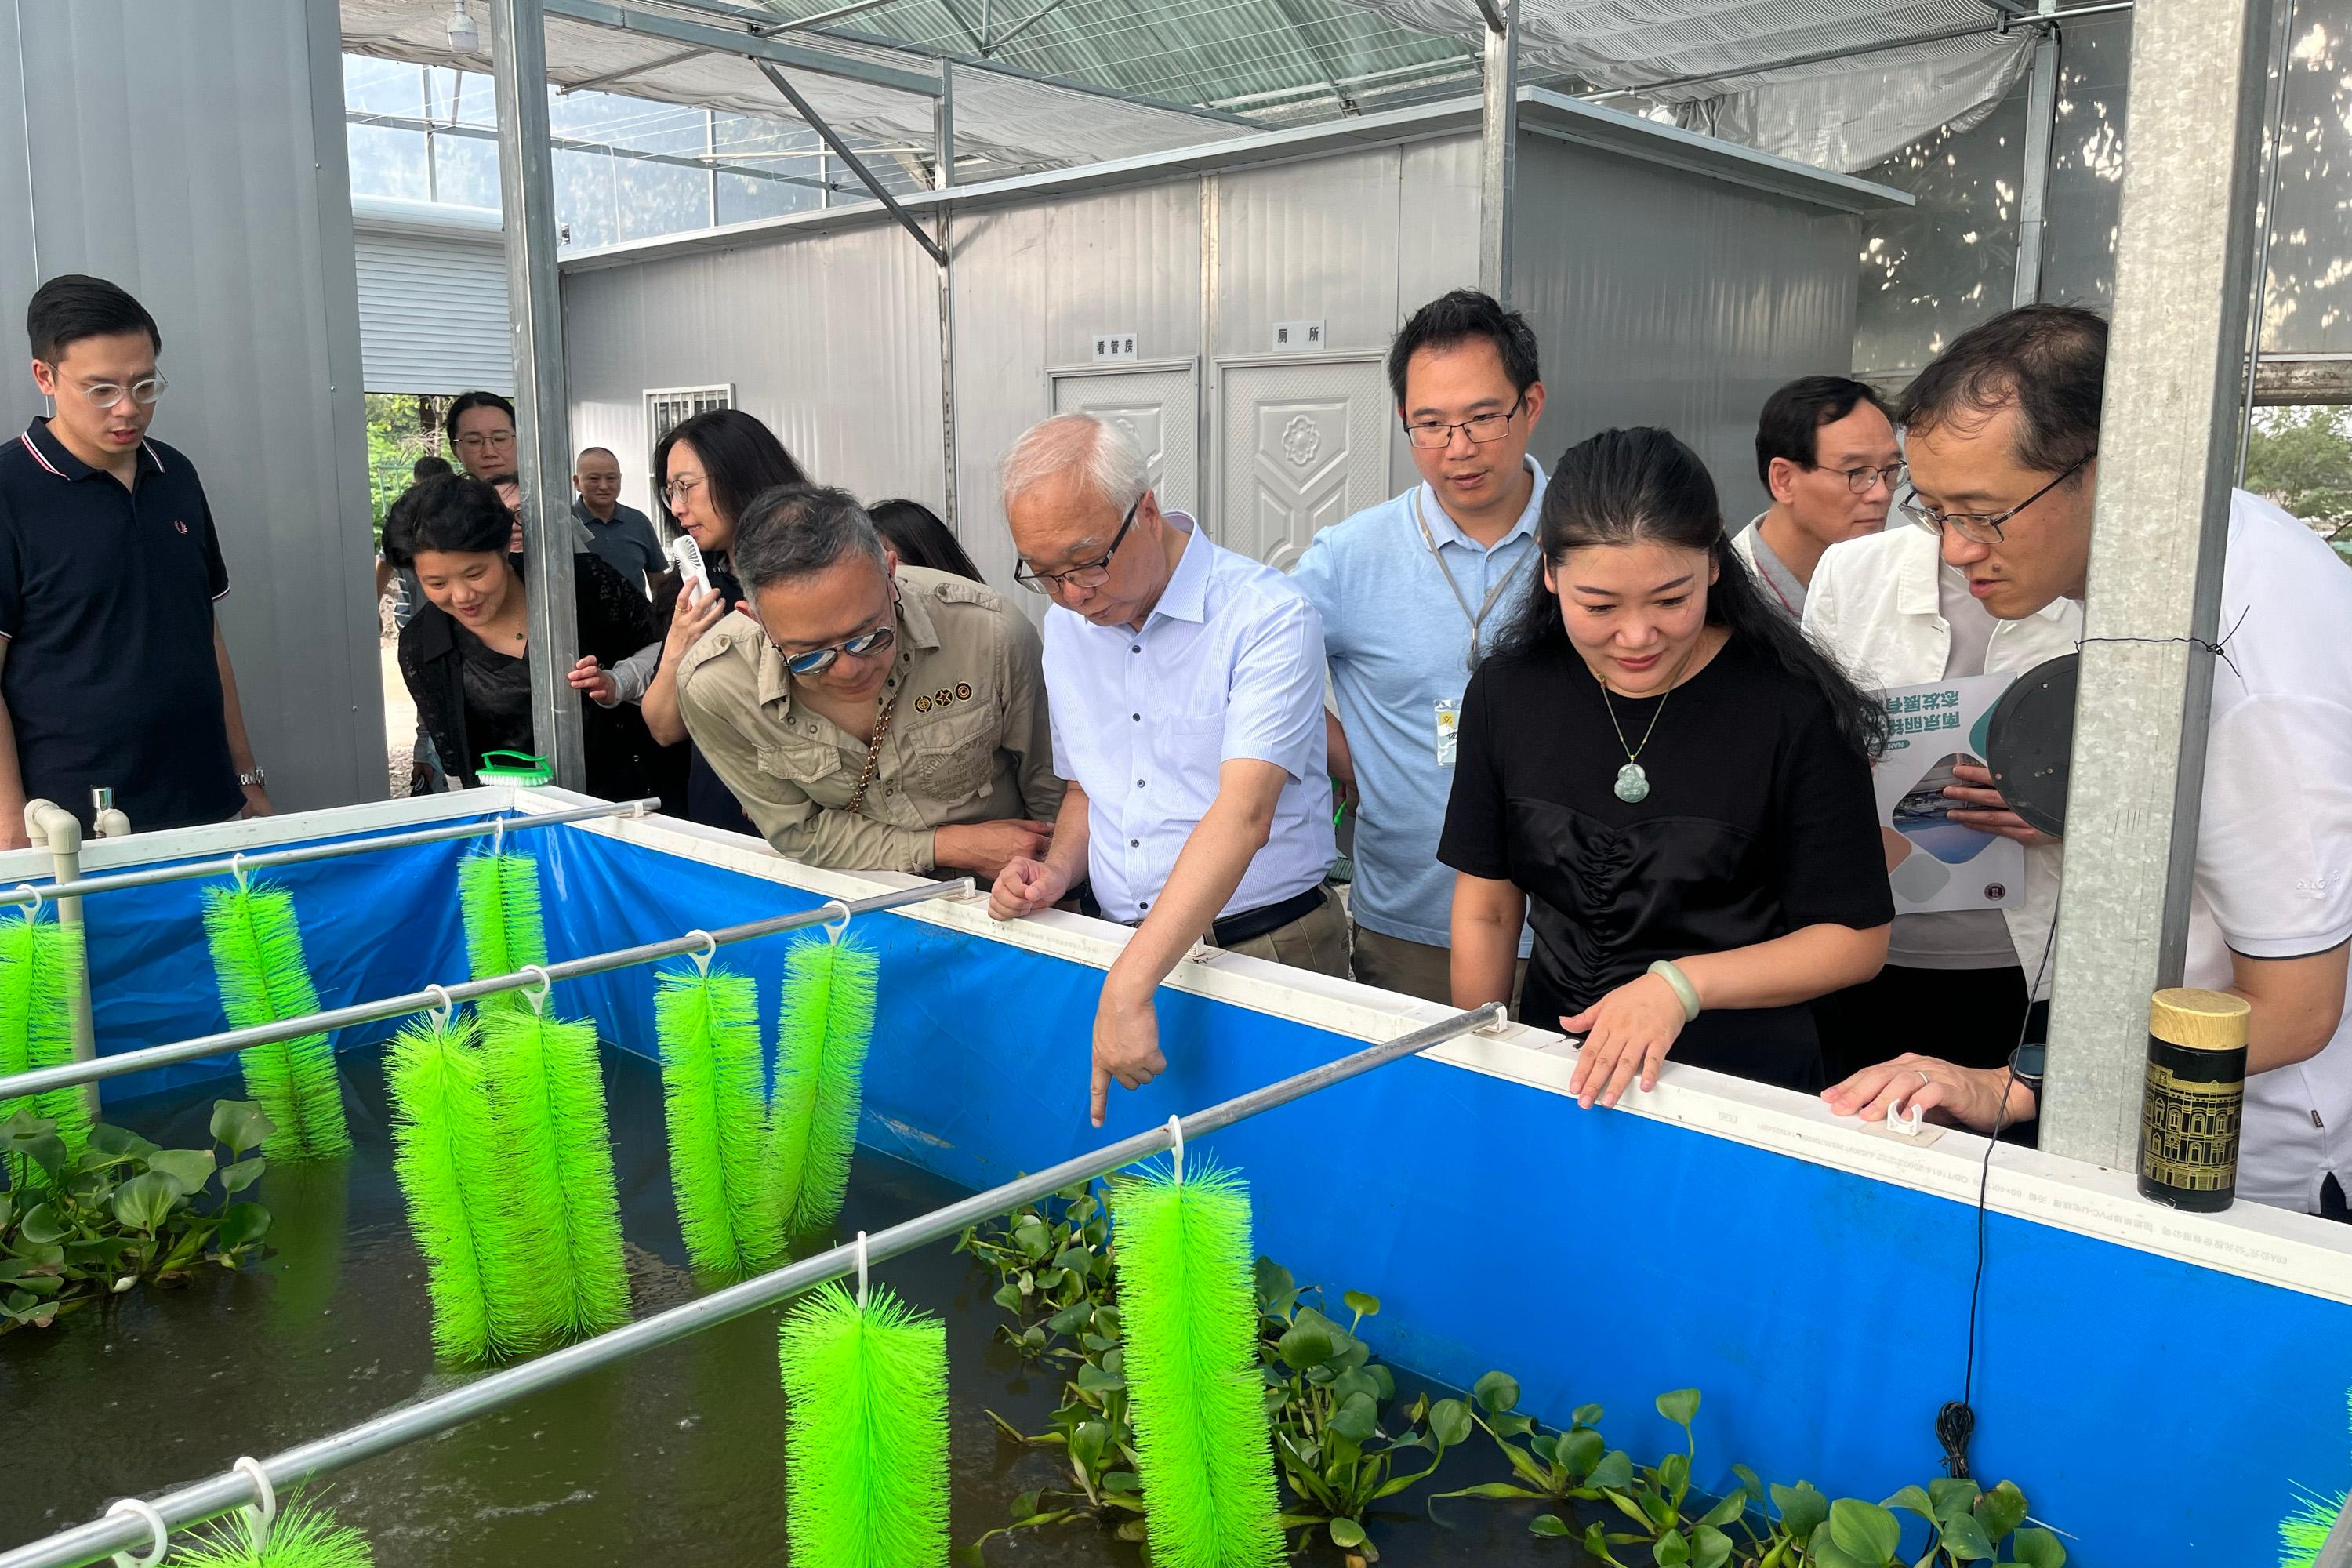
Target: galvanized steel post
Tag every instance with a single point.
(543, 422)
(2165, 458)
(1499, 146)
(943, 178)
(2033, 188)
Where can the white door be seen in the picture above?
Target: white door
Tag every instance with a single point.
(1157, 407)
(1303, 445)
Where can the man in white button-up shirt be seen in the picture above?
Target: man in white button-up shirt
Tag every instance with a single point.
(1186, 687)
(2003, 433)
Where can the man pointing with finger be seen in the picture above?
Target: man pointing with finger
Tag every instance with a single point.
(1187, 703)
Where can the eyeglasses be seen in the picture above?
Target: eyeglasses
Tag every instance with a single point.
(107, 394)
(479, 442)
(1983, 528)
(1862, 481)
(1090, 574)
(877, 640)
(677, 490)
(1431, 434)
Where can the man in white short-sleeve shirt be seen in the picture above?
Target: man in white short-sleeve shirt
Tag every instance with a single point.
(2002, 441)
(1186, 691)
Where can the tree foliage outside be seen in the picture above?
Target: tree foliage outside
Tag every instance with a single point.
(396, 439)
(2302, 459)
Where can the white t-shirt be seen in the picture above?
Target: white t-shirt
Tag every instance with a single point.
(2274, 841)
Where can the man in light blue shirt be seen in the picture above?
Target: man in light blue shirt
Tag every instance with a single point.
(1186, 688)
(1412, 592)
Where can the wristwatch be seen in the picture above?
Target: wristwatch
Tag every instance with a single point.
(251, 780)
(2026, 1064)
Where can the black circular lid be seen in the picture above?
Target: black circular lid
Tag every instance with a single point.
(2029, 739)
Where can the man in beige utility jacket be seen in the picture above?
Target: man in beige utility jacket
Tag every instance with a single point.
(870, 716)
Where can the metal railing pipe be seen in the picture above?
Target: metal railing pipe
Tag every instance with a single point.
(93, 1542)
(41, 1079)
(34, 893)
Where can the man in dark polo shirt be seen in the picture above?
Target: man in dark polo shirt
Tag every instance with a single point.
(621, 536)
(112, 670)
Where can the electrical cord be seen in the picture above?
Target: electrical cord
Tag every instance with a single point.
(1955, 1423)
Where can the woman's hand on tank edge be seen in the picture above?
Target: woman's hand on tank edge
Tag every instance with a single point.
(594, 678)
(1969, 1097)
(1987, 810)
(1627, 1032)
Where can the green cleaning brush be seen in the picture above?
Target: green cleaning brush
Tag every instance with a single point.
(256, 947)
(866, 1392)
(1188, 1318)
(2303, 1532)
(828, 1023)
(721, 1163)
(40, 966)
(497, 894)
(557, 1196)
(301, 1536)
(445, 1154)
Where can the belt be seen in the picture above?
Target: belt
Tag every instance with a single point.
(1250, 924)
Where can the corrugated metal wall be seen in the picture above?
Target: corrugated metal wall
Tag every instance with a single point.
(1666, 298)
(1660, 295)
(433, 299)
(831, 339)
(1033, 285)
(194, 154)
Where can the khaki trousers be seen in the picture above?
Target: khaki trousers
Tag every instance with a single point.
(1415, 968)
(1317, 942)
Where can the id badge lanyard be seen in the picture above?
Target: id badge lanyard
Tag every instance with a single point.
(1448, 709)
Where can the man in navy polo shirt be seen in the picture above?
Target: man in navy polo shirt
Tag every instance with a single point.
(112, 670)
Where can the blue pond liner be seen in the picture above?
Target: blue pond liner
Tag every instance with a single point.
(2155, 1409)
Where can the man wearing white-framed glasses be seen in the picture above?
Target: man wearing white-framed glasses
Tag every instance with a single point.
(113, 672)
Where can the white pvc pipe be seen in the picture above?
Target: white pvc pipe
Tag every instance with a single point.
(45, 822)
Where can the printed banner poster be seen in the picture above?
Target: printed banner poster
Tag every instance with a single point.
(1933, 863)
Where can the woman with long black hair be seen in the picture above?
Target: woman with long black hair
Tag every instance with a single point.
(1678, 783)
(710, 469)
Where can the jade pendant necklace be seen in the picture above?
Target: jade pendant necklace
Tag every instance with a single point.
(1633, 783)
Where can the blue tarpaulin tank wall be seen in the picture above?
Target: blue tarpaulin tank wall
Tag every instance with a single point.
(2155, 1381)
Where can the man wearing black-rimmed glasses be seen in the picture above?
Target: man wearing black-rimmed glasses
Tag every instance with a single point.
(1188, 716)
(2003, 433)
(1825, 452)
(870, 716)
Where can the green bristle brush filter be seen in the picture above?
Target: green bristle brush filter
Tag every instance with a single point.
(40, 967)
(559, 1202)
(558, 1197)
(445, 1154)
(721, 1163)
(497, 894)
(865, 1437)
(828, 1023)
(265, 978)
(2303, 1532)
(301, 1535)
(1188, 1319)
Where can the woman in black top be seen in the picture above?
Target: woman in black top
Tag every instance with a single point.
(1677, 781)
(465, 653)
(711, 468)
